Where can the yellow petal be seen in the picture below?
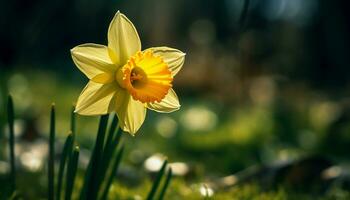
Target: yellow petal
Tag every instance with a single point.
(104, 78)
(173, 57)
(131, 113)
(96, 99)
(123, 38)
(93, 59)
(170, 103)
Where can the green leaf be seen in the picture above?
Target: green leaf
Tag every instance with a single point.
(113, 172)
(157, 181)
(71, 172)
(92, 179)
(10, 118)
(83, 192)
(111, 131)
(67, 149)
(166, 184)
(51, 161)
(110, 148)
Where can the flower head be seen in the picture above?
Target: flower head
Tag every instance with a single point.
(124, 79)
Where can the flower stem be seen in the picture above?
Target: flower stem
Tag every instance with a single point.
(67, 149)
(113, 173)
(156, 183)
(10, 117)
(92, 188)
(51, 168)
(166, 184)
(71, 172)
(110, 148)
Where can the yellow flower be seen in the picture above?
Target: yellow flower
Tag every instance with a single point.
(124, 79)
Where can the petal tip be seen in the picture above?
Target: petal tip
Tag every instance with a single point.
(119, 14)
(175, 109)
(72, 50)
(125, 129)
(78, 111)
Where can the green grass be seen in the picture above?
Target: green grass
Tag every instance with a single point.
(242, 137)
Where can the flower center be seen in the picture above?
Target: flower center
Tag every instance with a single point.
(146, 77)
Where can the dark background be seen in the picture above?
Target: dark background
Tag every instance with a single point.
(314, 34)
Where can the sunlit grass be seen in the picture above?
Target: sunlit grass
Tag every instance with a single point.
(236, 138)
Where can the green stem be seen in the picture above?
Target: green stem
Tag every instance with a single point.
(67, 149)
(111, 132)
(157, 181)
(83, 192)
(166, 184)
(109, 150)
(10, 117)
(92, 188)
(51, 169)
(71, 172)
(113, 173)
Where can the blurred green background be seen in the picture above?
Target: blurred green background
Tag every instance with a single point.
(264, 92)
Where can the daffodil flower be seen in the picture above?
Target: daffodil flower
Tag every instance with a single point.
(124, 79)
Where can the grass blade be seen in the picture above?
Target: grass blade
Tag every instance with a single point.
(71, 172)
(166, 184)
(67, 149)
(113, 172)
(51, 161)
(157, 181)
(96, 158)
(10, 118)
